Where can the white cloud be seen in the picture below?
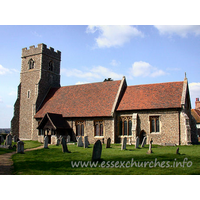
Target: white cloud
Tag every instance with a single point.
(97, 72)
(80, 83)
(181, 30)
(194, 90)
(115, 63)
(9, 106)
(144, 69)
(112, 35)
(13, 93)
(3, 70)
(1, 101)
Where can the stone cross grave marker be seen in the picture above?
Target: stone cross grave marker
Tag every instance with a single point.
(46, 140)
(9, 139)
(86, 143)
(64, 145)
(20, 147)
(68, 138)
(79, 142)
(124, 140)
(150, 146)
(108, 143)
(96, 154)
(136, 142)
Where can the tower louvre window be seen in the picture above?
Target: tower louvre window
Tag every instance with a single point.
(51, 65)
(31, 64)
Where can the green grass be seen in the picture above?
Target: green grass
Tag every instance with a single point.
(28, 144)
(54, 161)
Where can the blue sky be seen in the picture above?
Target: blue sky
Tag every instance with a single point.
(144, 54)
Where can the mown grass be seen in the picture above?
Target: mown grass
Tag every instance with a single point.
(54, 161)
(28, 144)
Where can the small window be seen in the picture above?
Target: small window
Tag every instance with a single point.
(51, 65)
(31, 63)
(79, 128)
(125, 126)
(98, 128)
(28, 94)
(154, 124)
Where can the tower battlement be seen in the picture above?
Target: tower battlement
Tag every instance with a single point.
(41, 48)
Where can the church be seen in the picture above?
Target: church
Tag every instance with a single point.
(108, 109)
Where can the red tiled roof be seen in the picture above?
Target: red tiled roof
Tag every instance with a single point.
(88, 100)
(196, 114)
(152, 96)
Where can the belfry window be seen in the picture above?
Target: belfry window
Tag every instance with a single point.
(125, 126)
(31, 63)
(51, 64)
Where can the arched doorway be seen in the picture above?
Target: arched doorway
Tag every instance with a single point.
(141, 136)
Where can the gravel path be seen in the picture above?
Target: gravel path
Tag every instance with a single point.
(6, 163)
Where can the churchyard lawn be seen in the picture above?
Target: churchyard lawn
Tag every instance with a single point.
(28, 144)
(163, 160)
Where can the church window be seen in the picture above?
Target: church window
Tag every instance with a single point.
(31, 63)
(98, 128)
(80, 128)
(28, 94)
(51, 65)
(125, 126)
(154, 124)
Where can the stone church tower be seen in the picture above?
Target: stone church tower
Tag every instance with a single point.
(40, 71)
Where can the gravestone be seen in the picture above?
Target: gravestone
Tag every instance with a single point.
(86, 143)
(177, 151)
(124, 140)
(96, 154)
(20, 147)
(9, 139)
(79, 142)
(108, 143)
(68, 138)
(58, 142)
(14, 138)
(53, 139)
(136, 142)
(1, 139)
(64, 146)
(143, 141)
(46, 140)
(150, 146)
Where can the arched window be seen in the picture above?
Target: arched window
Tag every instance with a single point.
(125, 126)
(51, 65)
(31, 63)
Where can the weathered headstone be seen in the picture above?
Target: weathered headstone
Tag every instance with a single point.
(150, 146)
(9, 139)
(143, 141)
(96, 154)
(79, 142)
(64, 145)
(136, 142)
(86, 143)
(14, 138)
(68, 138)
(124, 140)
(177, 151)
(53, 139)
(108, 143)
(58, 142)
(20, 147)
(46, 140)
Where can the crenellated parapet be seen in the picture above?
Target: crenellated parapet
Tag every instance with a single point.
(41, 49)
